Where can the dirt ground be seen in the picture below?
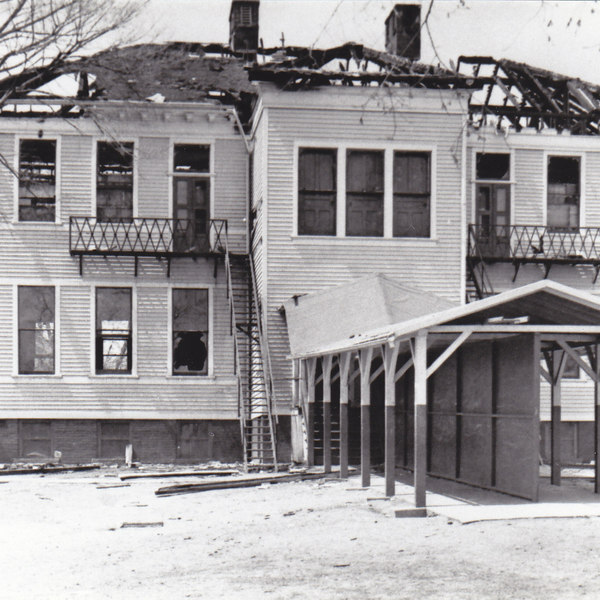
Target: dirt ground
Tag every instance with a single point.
(62, 538)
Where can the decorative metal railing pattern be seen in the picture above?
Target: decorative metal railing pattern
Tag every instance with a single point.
(534, 243)
(146, 237)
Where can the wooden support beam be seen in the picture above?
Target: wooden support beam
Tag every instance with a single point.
(390, 358)
(376, 373)
(555, 427)
(596, 364)
(420, 452)
(546, 375)
(582, 364)
(310, 366)
(326, 366)
(366, 356)
(447, 353)
(344, 369)
(402, 370)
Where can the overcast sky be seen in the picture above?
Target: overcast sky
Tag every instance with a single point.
(560, 36)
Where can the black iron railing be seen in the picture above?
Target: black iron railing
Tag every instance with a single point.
(534, 243)
(146, 237)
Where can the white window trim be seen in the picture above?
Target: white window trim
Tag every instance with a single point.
(582, 187)
(57, 182)
(136, 162)
(15, 341)
(134, 329)
(388, 150)
(211, 176)
(210, 345)
(510, 182)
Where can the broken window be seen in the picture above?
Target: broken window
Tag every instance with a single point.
(364, 193)
(37, 180)
(493, 166)
(190, 332)
(113, 330)
(412, 194)
(36, 329)
(317, 191)
(563, 192)
(114, 181)
(191, 158)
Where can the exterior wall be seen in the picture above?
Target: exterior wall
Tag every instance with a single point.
(355, 119)
(38, 254)
(529, 153)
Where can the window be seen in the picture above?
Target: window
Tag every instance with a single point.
(563, 192)
(113, 330)
(37, 180)
(317, 193)
(191, 158)
(493, 166)
(36, 329)
(114, 181)
(364, 193)
(412, 195)
(190, 332)
(571, 369)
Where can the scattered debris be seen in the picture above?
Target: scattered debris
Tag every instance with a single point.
(48, 468)
(202, 473)
(342, 565)
(112, 485)
(127, 525)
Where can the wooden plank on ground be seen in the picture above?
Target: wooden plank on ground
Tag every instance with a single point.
(157, 474)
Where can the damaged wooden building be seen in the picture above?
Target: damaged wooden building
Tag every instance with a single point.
(339, 256)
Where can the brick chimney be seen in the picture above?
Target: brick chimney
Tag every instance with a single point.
(243, 26)
(403, 31)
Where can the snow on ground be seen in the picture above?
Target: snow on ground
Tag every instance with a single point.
(62, 537)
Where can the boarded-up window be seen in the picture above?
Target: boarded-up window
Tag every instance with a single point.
(364, 193)
(36, 329)
(113, 330)
(114, 437)
(412, 194)
(317, 191)
(563, 192)
(114, 181)
(191, 158)
(190, 332)
(37, 180)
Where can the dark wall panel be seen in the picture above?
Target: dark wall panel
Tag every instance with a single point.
(476, 378)
(442, 458)
(475, 461)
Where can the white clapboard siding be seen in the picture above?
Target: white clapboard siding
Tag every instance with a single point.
(76, 176)
(6, 329)
(152, 330)
(592, 190)
(153, 178)
(528, 194)
(298, 266)
(76, 329)
(7, 178)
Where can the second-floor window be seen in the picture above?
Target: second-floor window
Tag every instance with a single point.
(412, 194)
(113, 330)
(36, 329)
(114, 181)
(563, 192)
(190, 331)
(364, 193)
(37, 180)
(317, 194)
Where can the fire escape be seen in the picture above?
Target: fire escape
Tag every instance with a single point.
(167, 239)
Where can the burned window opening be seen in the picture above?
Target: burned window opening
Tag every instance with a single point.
(563, 192)
(364, 193)
(113, 330)
(412, 194)
(191, 158)
(317, 193)
(36, 329)
(494, 166)
(37, 180)
(190, 332)
(114, 181)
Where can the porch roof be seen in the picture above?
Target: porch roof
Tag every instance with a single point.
(377, 310)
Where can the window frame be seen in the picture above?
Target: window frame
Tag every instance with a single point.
(17, 330)
(94, 175)
(388, 149)
(57, 181)
(209, 344)
(133, 336)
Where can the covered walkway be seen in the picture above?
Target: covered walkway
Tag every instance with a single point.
(458, 385)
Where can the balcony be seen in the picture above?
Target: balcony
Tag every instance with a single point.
(160, 238)
(536, 244)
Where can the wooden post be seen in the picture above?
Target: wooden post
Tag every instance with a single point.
(555, 424)
(310, 366)
(420, 464)
(596, 366)
(344, 370)
(366, 356)
(390, 357)
(326, 366)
